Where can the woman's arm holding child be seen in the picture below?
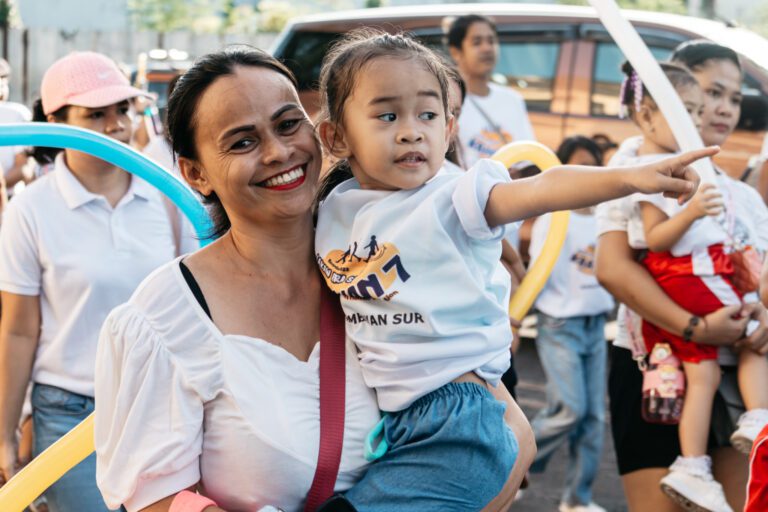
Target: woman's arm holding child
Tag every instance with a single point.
(663, 232)
(572, 187)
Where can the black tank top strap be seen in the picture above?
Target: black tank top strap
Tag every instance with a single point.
(196, 291)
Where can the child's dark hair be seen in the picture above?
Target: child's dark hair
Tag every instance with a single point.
(454, 153)
(42, 155)
(338, 77)
(696, 53)
(457, 31)
(633, 90)
(569, 146)
(182, 116)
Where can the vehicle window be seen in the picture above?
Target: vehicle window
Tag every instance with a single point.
(529, 67)
(303, 54)
(607, 76)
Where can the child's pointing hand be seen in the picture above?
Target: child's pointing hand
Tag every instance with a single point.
(672, 176)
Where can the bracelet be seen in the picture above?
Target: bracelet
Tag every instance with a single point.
(188, 501)
(688, 331)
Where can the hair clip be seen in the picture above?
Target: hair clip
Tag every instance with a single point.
(638, 91)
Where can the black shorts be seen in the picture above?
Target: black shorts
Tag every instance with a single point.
(643, 445)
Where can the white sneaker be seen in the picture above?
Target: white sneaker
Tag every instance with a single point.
(749, 426)
(690, 484)
(592, 507)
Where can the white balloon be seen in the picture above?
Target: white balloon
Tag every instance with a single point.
(665, 96)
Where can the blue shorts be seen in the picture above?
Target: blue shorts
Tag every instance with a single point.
(450, 450)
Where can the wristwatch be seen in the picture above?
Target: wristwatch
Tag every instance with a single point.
(692, 323)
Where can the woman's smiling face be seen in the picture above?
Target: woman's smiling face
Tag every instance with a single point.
(257, 150)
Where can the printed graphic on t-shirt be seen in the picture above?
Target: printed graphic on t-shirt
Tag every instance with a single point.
(364, 271)
(488, 141)
(584, 259)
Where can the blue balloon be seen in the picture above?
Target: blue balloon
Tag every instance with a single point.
(55, 135)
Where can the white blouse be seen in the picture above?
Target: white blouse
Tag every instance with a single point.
(179, 402)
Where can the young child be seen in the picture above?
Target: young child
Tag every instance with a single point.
(414, 256)
(690, 256)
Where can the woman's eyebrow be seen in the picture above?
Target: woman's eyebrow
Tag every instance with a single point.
(236, 130)
(282, 110)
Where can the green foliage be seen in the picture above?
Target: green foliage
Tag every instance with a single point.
(9, 16)
(673, 6)
(275, 14)
(759, 20)
(169, 15)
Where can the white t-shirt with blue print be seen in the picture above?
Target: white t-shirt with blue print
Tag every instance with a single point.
(424, 294)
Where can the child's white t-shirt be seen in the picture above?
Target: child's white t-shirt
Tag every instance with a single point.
(423, 291)
(572, 288)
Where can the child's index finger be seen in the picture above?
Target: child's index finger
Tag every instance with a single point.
(689, 157)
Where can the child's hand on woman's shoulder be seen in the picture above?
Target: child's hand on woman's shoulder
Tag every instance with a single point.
(672, 176)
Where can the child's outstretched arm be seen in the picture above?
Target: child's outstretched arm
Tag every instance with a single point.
(571, 187)
(663, 232)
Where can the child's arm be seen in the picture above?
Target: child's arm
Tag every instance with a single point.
(663, 232)
(572, 187)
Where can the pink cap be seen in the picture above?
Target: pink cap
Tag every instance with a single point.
(84, 79)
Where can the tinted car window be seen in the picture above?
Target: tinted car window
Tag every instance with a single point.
(529, 68)
(607, 77)
(303, 54)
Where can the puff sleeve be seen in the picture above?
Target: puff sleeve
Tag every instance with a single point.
(471, 196)
(149, 419)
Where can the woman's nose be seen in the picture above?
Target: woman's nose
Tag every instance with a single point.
(274, 149)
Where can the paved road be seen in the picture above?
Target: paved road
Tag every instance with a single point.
(543, 495)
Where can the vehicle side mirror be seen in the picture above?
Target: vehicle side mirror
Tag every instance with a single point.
(754, 111)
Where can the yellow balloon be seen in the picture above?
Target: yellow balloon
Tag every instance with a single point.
(537, 275)
(49, 466)
(78, 443)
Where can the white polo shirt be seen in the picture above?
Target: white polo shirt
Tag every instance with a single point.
(83, 258)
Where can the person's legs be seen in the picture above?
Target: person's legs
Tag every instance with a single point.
(702, 378)
(587, 443)
(753, 379)
(558, 345)
(55, 412)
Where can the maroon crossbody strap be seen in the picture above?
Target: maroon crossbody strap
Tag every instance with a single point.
(332, 399)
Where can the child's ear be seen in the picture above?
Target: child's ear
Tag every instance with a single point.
(449, 130)
(644, 119)
(194, 174)
(333, 138)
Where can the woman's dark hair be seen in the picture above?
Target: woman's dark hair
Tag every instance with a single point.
(569, 146)
(42, 155)
(633, 90)
(459, 27)
(183, 102)
(338, 77)
(696, 53)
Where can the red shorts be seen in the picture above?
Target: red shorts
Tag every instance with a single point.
(700, 295)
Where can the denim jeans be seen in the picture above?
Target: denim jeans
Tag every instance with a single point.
(55, 412)
(573, 354)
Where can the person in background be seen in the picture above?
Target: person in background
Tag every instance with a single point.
(645, 450)
(493, 115)
(13, 159)
(72, 247)
(572, 310)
